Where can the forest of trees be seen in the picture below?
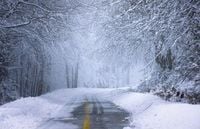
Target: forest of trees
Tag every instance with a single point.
(30, 31)
(167, 32)
(37, 39)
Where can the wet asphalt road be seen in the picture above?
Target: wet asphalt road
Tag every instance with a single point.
(101, 115)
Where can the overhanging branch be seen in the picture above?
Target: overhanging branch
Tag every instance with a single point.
(16, 25)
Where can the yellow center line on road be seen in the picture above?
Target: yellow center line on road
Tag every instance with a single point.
(86, 122)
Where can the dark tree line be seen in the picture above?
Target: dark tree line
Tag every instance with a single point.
(72, 76)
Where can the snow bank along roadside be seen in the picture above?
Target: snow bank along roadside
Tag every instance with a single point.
(31, 112)
(150, 112)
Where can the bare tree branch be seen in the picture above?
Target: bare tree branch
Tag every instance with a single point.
(21, 24)
(16, 25)
(40, 7)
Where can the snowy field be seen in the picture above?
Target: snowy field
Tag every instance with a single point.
(147, 111)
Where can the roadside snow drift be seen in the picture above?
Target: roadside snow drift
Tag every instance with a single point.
(150, 112)
(147, 111)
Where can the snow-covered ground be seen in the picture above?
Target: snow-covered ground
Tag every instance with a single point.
(147, 111)
(150, 112)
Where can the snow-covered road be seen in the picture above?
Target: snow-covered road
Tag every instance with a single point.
(65, 109)
(90, 113)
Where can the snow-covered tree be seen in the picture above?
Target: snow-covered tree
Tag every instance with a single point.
(30, 33)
